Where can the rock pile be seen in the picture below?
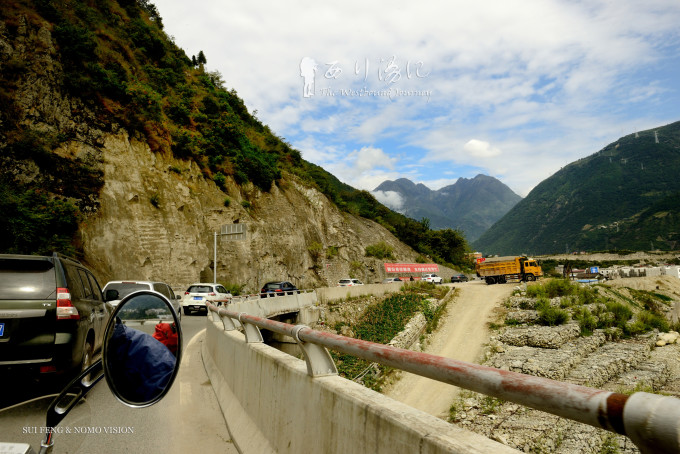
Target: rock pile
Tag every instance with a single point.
(560, 353)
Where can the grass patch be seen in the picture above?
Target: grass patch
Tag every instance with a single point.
(380, 323)
(234, 289)
(598, 307)
(490, 405)
(586, 321)
(552, 316)
(380, 250)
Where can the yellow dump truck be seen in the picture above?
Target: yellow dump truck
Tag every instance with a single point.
(498, 270)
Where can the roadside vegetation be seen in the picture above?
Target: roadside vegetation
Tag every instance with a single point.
(382, 321)
(557, 301)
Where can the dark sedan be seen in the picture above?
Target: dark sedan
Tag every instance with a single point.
(459, 278)
(279, 288)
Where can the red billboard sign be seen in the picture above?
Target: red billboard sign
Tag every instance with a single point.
(411, 267)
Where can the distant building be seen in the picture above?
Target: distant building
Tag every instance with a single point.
(473, 256)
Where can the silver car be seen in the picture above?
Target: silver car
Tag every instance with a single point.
(124, 288)
(349, 282)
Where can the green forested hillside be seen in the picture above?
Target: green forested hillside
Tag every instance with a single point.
(623, 197)
(114, 56)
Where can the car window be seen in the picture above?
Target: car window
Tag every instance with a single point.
(75, 286)
(27, 279)
(344, 281)
(199, 289)
(87, 290)
(125, 288)
(161, 288)
(221, 289)
(96, 291)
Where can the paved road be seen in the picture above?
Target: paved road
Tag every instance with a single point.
(188, 417)
(461, 335)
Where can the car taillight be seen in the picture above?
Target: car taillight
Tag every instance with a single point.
(186, 293)
(213, 294)
(65, 309)
(278, 290)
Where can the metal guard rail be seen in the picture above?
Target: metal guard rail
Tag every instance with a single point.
(651, 421)
(258, 296)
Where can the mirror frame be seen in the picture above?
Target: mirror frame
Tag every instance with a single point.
(77, 389)
(107, 334)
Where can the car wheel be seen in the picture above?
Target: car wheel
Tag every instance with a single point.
(530, 277)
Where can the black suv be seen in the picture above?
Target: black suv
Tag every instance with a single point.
(279, 288)
(52, 314)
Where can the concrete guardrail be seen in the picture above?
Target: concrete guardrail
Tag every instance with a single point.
(316, 410)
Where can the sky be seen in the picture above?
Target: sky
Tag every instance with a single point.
(438, 90)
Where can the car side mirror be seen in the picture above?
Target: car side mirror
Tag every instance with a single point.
(111, 295)
(142, 348)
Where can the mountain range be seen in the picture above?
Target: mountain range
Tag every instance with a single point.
(469, 205)
(625, 196)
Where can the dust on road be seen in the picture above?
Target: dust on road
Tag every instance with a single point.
(461, 335)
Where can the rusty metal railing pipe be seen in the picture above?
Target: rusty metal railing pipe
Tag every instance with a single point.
(651, 421)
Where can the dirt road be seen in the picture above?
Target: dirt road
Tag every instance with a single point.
(461, 335)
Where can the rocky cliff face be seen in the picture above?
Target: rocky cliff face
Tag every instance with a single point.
(155, 216)
(158, 217)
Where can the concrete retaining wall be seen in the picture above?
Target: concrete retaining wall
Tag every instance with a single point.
(272, 405)
(267, 307)
(671, 271)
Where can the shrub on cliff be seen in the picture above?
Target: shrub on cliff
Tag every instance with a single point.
(380, 250)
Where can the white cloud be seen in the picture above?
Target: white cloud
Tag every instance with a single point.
(543, 82)
(318, 152)
(390, 199)
(369, 158)
(481, 149)
(365, 168)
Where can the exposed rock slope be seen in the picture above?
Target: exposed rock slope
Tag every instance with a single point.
(155, 215)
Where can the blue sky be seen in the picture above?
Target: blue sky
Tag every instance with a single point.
(437, 90)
